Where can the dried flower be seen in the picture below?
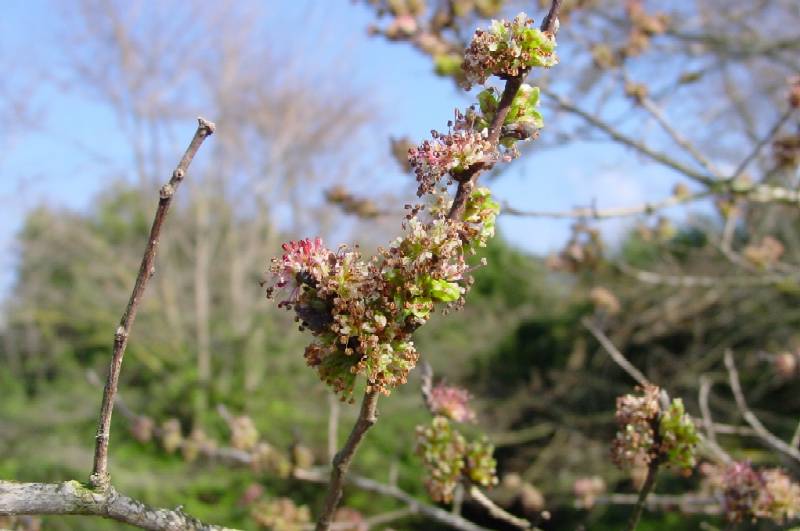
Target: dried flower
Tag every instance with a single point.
(794, 92)
(785, 364)
(637, 418)
(349, 519)
(604, 300)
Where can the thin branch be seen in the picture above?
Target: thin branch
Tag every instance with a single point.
(686, 502)
(697, 281)
(497, 511)
(341, 463)
(426, 384)
(795, 442)
(71, 497)
(647, 488)
(615, 354)
(763, 142)
(657, 113)
(417, 507)
(334, 408)
(765, 435)
(616, 135)
(100, 477)
(705, 411)
(594, 213)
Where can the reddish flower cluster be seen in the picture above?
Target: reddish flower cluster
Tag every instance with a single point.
(636, 417)
(647, 433)
(460, 149)
(452, 402)
(749, 494)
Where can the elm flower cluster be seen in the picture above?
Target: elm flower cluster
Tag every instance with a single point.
(362, 313)
(462, 148)
(342, 300)
(451, 402)
(280, 514)
(466, 148)
(507, 49)
(522, 121)
(749, 494)
(449, 459)
(647, 433)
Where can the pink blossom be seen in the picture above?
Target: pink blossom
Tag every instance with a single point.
(306, 258)
(452, 402)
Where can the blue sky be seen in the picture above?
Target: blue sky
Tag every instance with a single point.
(60, 161)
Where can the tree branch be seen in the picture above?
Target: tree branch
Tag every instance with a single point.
(615, 354)
(497, 511)
(594, 213)
(749, 417)
(656, 112)
(71, 497)
(763, 142)
(341, 463)
(616, 135)
(432, 512)
(100, 477)
(647, 488)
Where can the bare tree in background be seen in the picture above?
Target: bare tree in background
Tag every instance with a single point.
(152, 65)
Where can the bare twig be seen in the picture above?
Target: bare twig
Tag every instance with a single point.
(700, 281)
(795, 442)
(708, 423)
(765, 435)
(341, 463)
(71, 497)
(616, 135)
(497, 511)
(594, 213)
(761, 143)
(615, 354)
(417, 507)
(426, 383)
(686, 502)
(647, 488)
(100, 477)
(334, 408)
(657, 113)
